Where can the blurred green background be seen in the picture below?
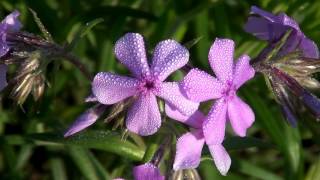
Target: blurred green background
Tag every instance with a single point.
(31, 143)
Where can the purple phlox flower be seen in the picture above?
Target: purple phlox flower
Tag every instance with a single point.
(143, 116)
(9, 24)
(86, 119)
(199, 86)
(146, 172)
(270, 27)
(189, 145)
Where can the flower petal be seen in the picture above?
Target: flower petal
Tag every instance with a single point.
(199, 86)
(241, 116)
(189, 147)
(258, 27)
(110, 88)
(221, 58)
(243, 71)
(86, 119)
(4, 48)
(3, 76)
(269, 16)
(131, 52)
(171, 93)
(11, 22)
(288, 21)
(144, 117)
(195, 120)
(147, 171)
(168, 56)
(312, 102)
(215, 124)
(309, 48)
(220, 157)
(268, 26)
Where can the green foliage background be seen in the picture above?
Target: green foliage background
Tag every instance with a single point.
(31, 143)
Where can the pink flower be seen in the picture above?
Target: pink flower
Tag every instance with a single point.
(200, 86)
(189, 145)
(86, 119)
(146, 84)
(147, 171)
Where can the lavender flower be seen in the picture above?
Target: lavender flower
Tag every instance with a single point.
(200, 86)
(86, 119)
(288, 63)
(147, 171)
(9, 24)
(147, 82)
(188, 157)
(270, 27)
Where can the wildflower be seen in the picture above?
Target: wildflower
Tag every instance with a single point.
(270, 27)
(150, 170)
(147, 171)
(288, 64)
(147, 82)
(9, 24)
(200, 86)
(86, 119)
(188, 157)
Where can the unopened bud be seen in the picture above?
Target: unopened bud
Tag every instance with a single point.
(185, 174)
(38, 87)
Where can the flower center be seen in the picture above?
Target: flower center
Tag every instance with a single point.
(148, 84)
(230, 91)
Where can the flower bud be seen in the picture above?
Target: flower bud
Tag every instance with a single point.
(185, 174)
(29, 78)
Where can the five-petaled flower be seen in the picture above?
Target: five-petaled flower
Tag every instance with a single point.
(147, 82)
(189, 145)
(9, 24)
(200, 86)
(270, 27)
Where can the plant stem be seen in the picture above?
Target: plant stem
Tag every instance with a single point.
(75, 61)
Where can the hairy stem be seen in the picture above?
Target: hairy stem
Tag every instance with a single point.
(75, 61)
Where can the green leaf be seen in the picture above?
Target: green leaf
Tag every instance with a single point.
(100, 169)
(89, 26)
(234, 143)
(314, 171)
(42, 28)
(58, 169)
(82, 31)
(152, 148)
(102, 140)
(83, 159)
(23, 156)
(253, 170)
